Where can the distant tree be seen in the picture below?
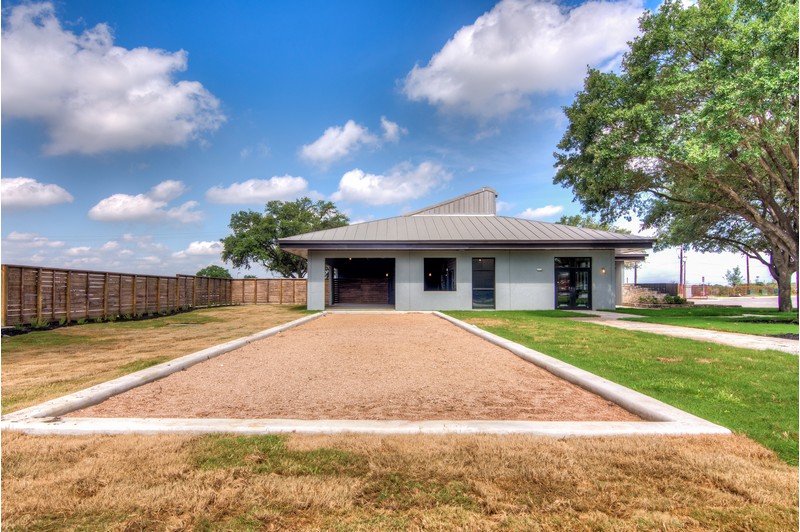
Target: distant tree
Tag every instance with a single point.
(698, 132)
(248, 276)
(734, 277)
(255, 235)
(589, 222)
(214, 271)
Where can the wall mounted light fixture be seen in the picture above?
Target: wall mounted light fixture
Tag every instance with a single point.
(602, 270)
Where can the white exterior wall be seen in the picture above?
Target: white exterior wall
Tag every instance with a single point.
(519, 285)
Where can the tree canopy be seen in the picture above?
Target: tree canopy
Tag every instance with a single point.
(214, 271)
(590, 222)
(254, 235)
(698, 133)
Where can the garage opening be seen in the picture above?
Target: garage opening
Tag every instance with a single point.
(360, 282)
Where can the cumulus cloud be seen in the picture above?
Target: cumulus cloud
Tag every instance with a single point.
(402, 183)
(548, 211)
(24, 192)
(521, 48)
(391, 130)
(150, 208)
(94, 96)
(337, 142)
(200, 249)
(32, 240)
(259, 190)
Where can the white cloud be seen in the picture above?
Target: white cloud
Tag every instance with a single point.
(548, 211)
(148, 208)
(259, 190)
(521, 48)
(80, 250)
(391, 130)
(22, 192)
(110, 246)
(338, 142)
(96, 97)
(32, 240)
(404, 182)
(167, 190)
(200, 249)
(503, 206)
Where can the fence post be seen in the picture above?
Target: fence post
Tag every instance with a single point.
(280, 291)
(194, 292)
(87, 295)
(38, 294)
(134, 295)
(105, 296)
(4, 288)
(68, 297)
(158, 295)
(53, 297)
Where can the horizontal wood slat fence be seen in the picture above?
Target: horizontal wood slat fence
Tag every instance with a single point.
(31, 293)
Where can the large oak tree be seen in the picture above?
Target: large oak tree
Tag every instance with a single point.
(254, 235)
(698, 133)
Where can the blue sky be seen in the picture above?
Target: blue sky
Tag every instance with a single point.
(131, 131)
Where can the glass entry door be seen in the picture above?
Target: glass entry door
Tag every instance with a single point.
(483, 283)
(573, 283)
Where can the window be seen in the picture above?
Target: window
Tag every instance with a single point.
(440, 275)
(573, 262)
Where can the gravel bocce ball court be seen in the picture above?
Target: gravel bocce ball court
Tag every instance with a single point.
(365, 366)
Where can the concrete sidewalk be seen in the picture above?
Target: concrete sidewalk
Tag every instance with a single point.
(747, 341)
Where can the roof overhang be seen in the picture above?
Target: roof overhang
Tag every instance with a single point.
(301, 248)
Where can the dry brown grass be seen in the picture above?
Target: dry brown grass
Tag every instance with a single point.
(411, 482)
(43, 365)
(352, 482)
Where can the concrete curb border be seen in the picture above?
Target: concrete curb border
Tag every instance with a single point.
(663, 419)
(552, 429)
(100, 392)
(637, 403)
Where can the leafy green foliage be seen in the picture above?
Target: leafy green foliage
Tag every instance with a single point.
(215, 271)
(698, 134)
(254, 235)
(590, 222)
(734, 277)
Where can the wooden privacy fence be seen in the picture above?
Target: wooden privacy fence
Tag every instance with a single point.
(32, 293)
(260, 291)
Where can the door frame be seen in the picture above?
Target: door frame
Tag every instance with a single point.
(572, 286)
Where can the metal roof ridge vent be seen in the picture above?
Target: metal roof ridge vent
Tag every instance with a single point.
(483, 202)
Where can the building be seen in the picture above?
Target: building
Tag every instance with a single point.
(459, 255)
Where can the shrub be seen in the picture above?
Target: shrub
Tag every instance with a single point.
(40, 323)
(648, 300)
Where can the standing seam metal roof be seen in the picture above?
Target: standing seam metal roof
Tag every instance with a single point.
(462, 228)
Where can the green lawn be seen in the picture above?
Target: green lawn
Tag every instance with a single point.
(748, 391)
(768, 321)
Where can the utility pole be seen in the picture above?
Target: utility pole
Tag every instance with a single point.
(747, 268)
(680, 273)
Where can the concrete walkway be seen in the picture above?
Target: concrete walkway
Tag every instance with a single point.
(747, 341)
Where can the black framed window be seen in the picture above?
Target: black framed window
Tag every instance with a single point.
(440, 274)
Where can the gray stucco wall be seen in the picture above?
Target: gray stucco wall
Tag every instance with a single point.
(524, 280)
